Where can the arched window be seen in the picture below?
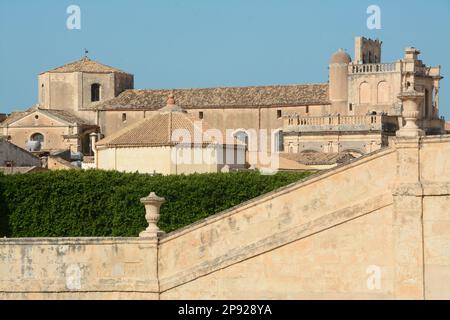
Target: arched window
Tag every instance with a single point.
(364, 93)
(241, 136)
(37, 137)
(383, 92)
(95, 92)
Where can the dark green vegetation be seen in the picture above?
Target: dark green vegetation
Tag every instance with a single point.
(106, 203)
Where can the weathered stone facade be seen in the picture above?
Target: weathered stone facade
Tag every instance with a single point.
(105, 98)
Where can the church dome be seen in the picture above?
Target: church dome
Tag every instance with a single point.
(340, 57)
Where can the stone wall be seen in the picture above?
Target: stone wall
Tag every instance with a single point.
(77, 268)
(377, 228)
(170, 160)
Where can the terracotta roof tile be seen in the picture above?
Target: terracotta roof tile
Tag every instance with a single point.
(85, 65)
(280, 95)
(13, 117)
(60, 114)
(65, 115)
(155, 131)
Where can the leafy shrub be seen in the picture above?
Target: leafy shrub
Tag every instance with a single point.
(106, 203)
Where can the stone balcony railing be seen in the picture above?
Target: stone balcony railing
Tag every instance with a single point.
(336, 123)
(374, 68)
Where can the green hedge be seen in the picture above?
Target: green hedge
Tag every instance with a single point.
(106, 203)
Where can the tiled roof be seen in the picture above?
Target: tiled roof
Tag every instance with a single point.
(60, 114)
(13, 117)
(155, 131)
(65, 115)
(279, 95)
(85, 65)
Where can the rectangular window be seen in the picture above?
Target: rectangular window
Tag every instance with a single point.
(278, 114)
(350, 107)
(124, 117)
(307, 109)
(95, 92)
(200, 115)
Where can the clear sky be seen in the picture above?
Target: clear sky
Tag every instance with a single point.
(209, 43)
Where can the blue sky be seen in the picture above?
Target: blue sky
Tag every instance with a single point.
(209, 43)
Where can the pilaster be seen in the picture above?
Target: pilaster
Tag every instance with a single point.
(408, 221)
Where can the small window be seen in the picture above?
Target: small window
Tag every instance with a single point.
(42, 93)
(278, 114)
(124, 117)
(37, 137)
(307, 109)
(95, 92)
(36, 117)
(200, 115)
(350, 107)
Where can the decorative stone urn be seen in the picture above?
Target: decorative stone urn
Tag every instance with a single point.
(152, 205)
(411, 101)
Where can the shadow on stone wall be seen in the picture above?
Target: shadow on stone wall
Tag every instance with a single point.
(4, 213)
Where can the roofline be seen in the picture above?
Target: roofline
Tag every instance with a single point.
(234, 87)
(122, 108)
(46, 113)
(99, 72)
(168, 144)
(19, 148)
(114, 70)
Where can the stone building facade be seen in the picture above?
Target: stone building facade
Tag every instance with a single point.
(51, 129)
(165, 143)
(356, 111)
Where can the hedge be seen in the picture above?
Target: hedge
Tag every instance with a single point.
(106, 203)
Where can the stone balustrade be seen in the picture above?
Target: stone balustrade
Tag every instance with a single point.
(334, 123)
(374, 68)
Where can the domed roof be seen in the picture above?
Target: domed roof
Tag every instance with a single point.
(340, 57)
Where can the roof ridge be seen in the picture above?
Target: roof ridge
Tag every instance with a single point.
(156, 130)
(229, 97)
(124, 130)
(232, 87)
(82, 65)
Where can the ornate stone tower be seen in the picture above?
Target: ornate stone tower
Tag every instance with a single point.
(367, 50)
